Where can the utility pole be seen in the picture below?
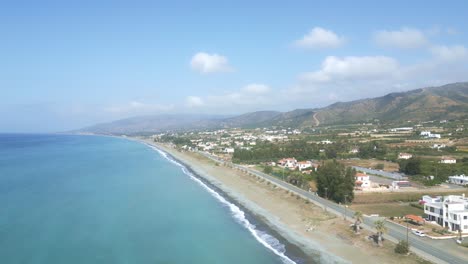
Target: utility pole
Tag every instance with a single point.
(326, 197)
(345, 206)
(407, 231)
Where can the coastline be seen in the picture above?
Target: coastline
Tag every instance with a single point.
(306, 230)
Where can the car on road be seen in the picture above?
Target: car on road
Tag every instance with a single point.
(418, 233)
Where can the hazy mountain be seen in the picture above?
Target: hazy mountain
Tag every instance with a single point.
(154, 124)
(444, 102)
(250, 119)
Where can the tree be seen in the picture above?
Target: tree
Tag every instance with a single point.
(381, 229)
(411, 166)
(357, 223)
(402, 247)
(268, 169)
(336, 182)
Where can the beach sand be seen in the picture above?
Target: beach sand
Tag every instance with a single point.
(301, 223)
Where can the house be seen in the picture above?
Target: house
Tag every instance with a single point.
(438, 146)
(229, 150)
(459, 179)
(302, 165)
(405, 156)
(362, 180)
(450, 212)
(289, 163)
(354, 150)
(326, 142)
(448, 160)
(425, 133)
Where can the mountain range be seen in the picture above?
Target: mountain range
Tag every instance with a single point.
(434, 103)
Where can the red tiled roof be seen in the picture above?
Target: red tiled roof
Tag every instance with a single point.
(414, 218)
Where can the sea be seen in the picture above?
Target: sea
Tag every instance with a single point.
(97, 199)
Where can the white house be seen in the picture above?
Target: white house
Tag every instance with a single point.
(459, 179)
(302, 165)
(289, 163)
(448, 160)
(425, 133)
(438, 146)
(354, 150)
(450, 212)
(404, 156)
(362, 180)
(326, 142)
(229, 150)
(428, 134)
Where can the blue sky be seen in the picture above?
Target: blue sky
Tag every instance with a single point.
(68, 65)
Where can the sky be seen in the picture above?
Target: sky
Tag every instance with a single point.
(70, 64)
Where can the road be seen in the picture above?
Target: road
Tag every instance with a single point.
(317, 122)
(391, 175)
(396, 232)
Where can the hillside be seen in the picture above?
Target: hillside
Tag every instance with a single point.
(444, 102)
(434, 103)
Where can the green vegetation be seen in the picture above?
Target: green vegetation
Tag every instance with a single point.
(267, 151)
(381, 229)
(268, 169)
(336, 182)
(388, 209)
(402, 247)
(357, 223)
(419, 168)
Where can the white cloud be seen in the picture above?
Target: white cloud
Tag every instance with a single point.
(320, 38)
(352, 68)
(136, 107)
(449, 53)
(256, 88)
(251, 97)
(209, 63)
(194, 101)
(405, 38)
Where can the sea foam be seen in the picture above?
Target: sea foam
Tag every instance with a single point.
(267, 240)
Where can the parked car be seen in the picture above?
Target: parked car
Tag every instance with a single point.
(418, 233)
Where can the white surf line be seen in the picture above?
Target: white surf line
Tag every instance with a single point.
(265, 239)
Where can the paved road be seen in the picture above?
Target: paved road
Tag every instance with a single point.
(391, 175)
(395, 231)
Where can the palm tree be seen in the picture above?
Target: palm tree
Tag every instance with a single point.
(357, 223)
(381, 229)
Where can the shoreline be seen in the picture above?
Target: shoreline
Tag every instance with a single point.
(292, 251)
(323, 237)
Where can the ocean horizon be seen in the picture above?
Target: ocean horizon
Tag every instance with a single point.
(96, 199)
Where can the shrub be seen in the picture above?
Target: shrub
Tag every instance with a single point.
(402, 247)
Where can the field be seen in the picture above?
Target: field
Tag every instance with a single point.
(391, 197)
(387, 209)
(371, 163)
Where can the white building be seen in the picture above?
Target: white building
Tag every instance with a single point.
(289, 163)
(450, 212)
(354, 150)
(425, 133)
(438, 146)
(404, 156)
(302, 165)
(362, 180)
(448, 160)
(229, 150)
(459, 179)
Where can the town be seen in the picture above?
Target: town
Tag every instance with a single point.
(413, 174)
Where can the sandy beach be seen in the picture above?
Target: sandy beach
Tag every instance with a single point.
(315, 231)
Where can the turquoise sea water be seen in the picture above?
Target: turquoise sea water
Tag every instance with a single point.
(89, 199)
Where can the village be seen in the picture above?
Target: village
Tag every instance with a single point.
(433, 204)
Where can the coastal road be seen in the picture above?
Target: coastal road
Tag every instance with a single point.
(423, 246)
